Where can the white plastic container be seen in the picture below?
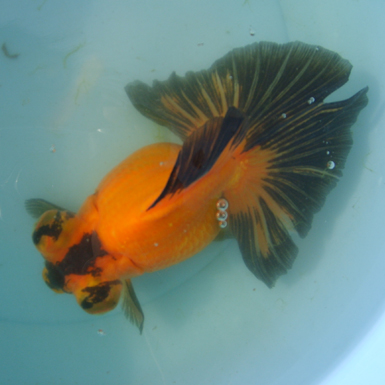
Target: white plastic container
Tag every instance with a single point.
(66, 121)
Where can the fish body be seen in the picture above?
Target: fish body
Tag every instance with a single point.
(152, 239)
(258, 145)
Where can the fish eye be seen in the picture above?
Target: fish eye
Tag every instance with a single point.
(53, 277)
(99, 298)
(49, 224)
(48, 235)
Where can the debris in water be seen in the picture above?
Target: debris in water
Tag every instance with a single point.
(76, 49)
(7, 54)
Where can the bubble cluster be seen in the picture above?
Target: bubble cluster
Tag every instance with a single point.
(222, 206)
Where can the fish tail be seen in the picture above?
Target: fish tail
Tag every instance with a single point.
(292, 152)
(287, 170)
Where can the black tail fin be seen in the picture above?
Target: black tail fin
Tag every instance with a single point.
(291, 168)
(264, 80)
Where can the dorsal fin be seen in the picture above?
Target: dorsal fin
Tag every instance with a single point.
(202, 149)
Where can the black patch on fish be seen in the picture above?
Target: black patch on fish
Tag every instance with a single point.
(53, 230)
(80, 258)
(55, 278)
(97, 293)
(198, 159)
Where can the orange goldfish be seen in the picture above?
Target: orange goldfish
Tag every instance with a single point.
(261, 150)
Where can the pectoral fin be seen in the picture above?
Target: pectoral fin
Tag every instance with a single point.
(37, 207)
(131, 306)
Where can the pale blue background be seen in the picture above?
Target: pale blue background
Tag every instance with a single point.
(208, 320)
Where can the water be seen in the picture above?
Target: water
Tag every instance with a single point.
(66, 121)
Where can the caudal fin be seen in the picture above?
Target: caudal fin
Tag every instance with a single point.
(287, 176)
(295, 146)
(264, 80)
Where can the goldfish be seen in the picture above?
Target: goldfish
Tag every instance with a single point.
(260, 152)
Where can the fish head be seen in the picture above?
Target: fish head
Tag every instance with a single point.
(74, 261)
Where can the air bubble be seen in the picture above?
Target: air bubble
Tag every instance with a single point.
(311, 100)
(222, 224)
(284, 116)
(222, 204)
(327, 152)
(330, 165)
(221, 215)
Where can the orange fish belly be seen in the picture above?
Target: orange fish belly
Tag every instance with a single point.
(173, 230)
